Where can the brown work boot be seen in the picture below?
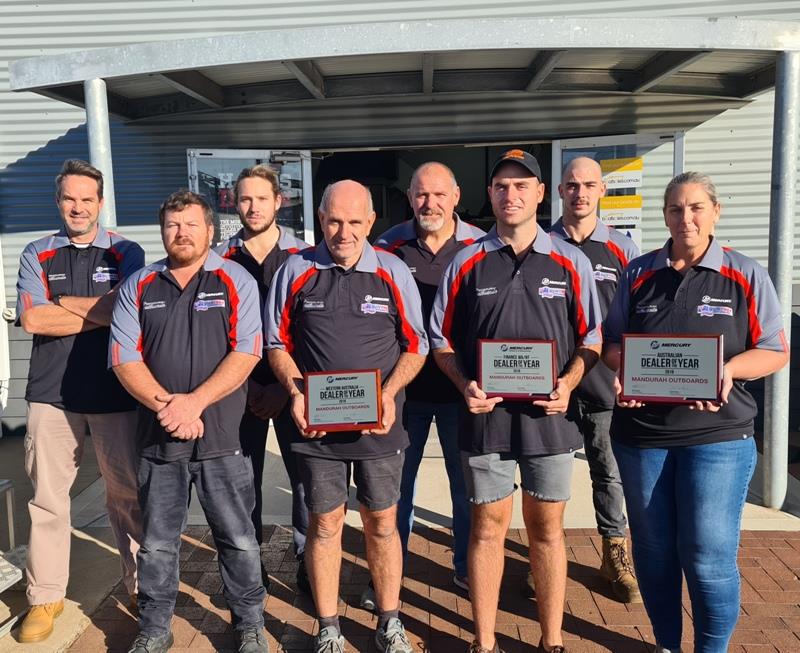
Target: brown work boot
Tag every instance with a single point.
(617, 568)
(38, 623)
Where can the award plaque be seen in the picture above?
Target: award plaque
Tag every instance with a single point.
(674, 369)
(343, 400)
(517, 369)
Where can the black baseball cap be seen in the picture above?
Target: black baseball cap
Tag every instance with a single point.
(525, 159)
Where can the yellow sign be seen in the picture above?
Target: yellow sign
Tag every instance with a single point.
(621, 202)
(622, 173)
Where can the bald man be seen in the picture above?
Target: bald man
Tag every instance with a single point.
(609, 251)
(346, 306)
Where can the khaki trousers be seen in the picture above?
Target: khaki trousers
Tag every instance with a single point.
(53, 452)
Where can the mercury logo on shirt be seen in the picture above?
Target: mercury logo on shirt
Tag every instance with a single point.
(707, 299)
(102, 274)
(550, 282)
(369, 299)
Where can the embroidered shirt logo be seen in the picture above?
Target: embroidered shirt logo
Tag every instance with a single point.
(57, 277)
(370, 308)
(600, 275)
(547, 292)
(707, 299)
(101, 274)
(646, 308)
(706, 310)
(483, 292)
(369, 298)
(546, 281)
(205, 304)
(149, 306)
(203, 295)
(313, 305)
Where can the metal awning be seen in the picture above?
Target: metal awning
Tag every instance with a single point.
(703, 65)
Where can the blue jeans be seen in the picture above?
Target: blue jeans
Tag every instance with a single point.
(418, 416)
(225, 490)
(685, 507)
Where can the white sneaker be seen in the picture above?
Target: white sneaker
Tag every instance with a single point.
(368, 600)
(461, 582)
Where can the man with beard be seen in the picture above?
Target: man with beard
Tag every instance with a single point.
(65, 292)
(261, 247)
(185, 335)
(427, 245)
(608, 251)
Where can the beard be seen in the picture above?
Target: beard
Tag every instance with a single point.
(186, 256)
(259, 228)
(430, 223)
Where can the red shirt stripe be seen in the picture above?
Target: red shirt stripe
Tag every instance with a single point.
(455, 287)
(405, 326)
(644, 276)
(616, 251)
(284, 327)
(139, 292)
(233, 299)
(580, 315)
(753, 323)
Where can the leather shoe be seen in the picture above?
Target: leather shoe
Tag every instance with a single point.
(38, 623)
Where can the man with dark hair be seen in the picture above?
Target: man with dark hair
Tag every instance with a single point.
(65, 293)
(260, 247)
(185, 335)
(346, 306)
(517, 283)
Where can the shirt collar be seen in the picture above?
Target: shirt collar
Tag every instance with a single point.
(463, 231)
(368, 262)
(102, 238)
(285, 239)
(599, 235)
(543, 244)
(712, 259)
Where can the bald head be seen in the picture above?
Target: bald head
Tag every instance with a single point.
(580, 189)
(346, 217)
(433, 194)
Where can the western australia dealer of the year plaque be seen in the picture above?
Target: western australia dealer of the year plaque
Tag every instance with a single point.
(666, 368)
(343, 400)
(517, 369)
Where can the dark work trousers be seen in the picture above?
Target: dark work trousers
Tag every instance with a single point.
(606, 482)
(253, 438)
(224, 488)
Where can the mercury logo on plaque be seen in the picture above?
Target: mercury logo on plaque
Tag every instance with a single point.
(517, 369)
(675, 369)
(343, 400)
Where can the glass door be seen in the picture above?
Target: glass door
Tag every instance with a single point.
(212, 173)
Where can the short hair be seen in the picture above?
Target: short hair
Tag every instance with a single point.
(692, 177)
(324, 203)
(262, 172)
(430, 164)
(179, 200)
(80, 168)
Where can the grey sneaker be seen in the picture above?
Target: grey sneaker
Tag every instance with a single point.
(146, 644)
(461, 582)
(329, 640)
(392, 639)
(251, 640)
(368, 600)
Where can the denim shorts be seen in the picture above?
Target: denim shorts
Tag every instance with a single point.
(327, 481)
(490, 476)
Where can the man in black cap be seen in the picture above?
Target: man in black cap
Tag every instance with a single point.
(517, 283)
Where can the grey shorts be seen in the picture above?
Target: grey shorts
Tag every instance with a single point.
(490, 476)
(327, 481)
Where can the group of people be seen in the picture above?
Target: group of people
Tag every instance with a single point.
(177, 368)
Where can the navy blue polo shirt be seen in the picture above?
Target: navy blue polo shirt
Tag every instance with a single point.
(489, 292)
(235, 249)
(329, 318)
(430, 385)
(182, 335)
(725, 293)
(69, 372)
(609, 252)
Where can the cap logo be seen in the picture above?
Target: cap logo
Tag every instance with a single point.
(514, 154)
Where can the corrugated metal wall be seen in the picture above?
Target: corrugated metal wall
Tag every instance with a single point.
(36, 134)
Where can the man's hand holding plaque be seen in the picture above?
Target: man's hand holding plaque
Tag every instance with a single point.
(672, 369)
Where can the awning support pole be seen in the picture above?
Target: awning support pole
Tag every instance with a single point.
(785, 144)
(100, 144)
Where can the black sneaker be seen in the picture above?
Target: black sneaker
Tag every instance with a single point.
(264, 578)
(146, 644)
(251, 640)
(303, 584)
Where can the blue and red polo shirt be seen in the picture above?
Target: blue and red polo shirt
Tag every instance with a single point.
(69, 372)
(609, 252)
(329, 318)
(431, 385)
(182, 335)
(235, 249)
(488, 292)
(725, 293)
